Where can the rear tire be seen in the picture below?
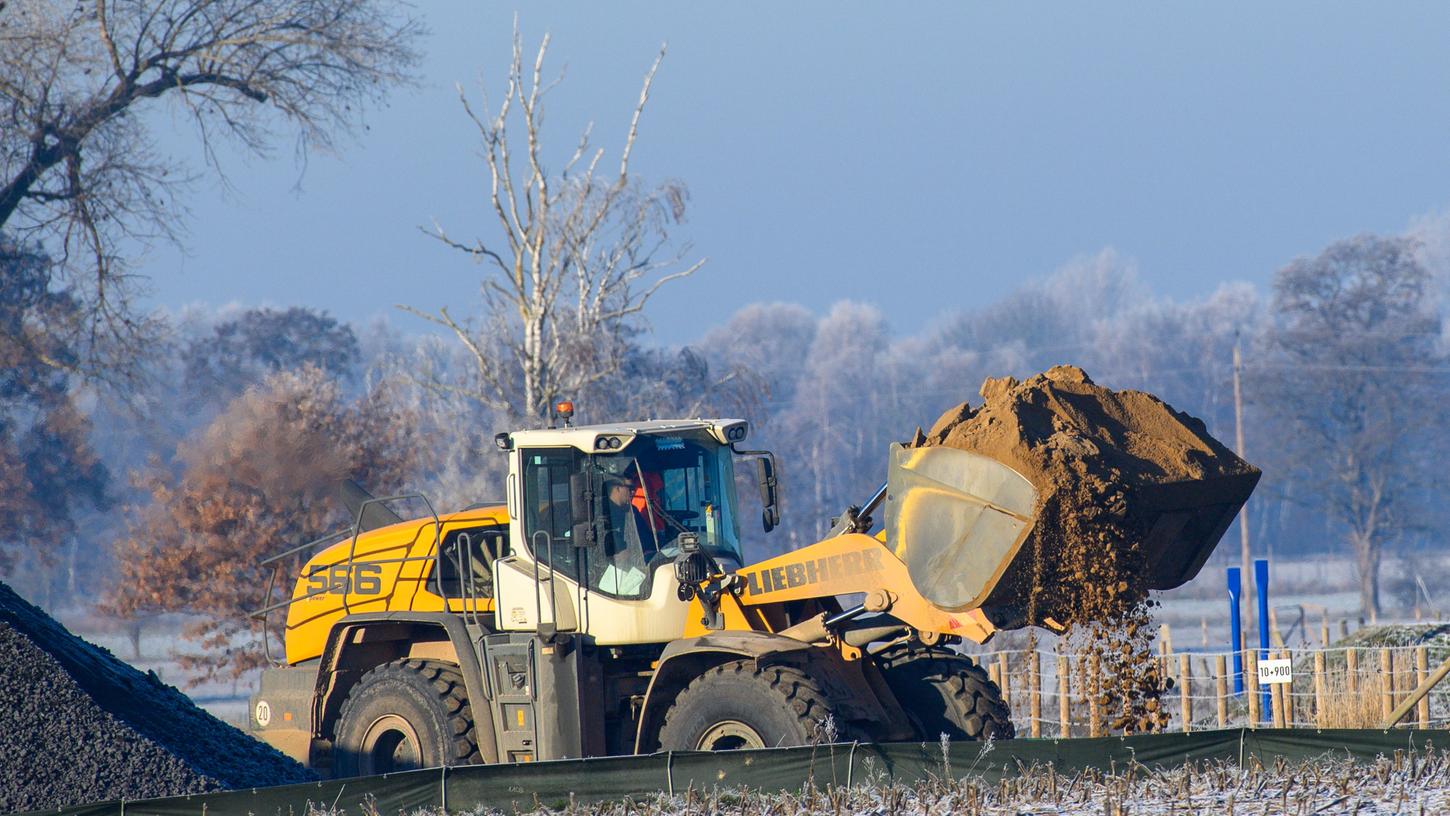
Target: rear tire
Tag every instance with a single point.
(404, 715)
(946, 693)
(735, 705)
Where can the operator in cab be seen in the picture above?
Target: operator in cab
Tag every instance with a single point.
(631, 543)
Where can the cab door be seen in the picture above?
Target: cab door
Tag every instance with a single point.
(538, 586)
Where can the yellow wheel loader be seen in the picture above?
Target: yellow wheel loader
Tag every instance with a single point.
(606, 607)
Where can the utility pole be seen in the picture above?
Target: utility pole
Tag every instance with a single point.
(1239, 445)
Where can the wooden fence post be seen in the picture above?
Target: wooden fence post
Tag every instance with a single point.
(1351, 670)
(1324, 630)
(1185, 685)
(1034, 691)
(1251, 674)
(1321, 690)
(1083, 685)
(1276, 700)
(1064, 700)
(1220, 668)
(1095, 686)
(1286, 693)
(1422, 668)
(1165, 648)
(1387, 681)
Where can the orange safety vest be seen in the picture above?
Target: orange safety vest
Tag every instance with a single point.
(652, 485)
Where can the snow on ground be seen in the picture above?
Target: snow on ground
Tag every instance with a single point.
(1406, 783)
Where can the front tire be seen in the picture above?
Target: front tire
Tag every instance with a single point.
(946, 693)
(405, 715)
(736, 705)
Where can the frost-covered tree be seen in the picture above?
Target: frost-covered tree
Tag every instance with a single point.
(1354, 374)
(770, 339)
(241, 351)
(49, 472)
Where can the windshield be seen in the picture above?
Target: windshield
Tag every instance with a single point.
(641, 499)
(688, 485)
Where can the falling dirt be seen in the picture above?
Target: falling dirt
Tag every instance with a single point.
(1105, 464)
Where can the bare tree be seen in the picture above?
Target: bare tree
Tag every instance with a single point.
(78, 170)
(579, 254)
(1351, 378)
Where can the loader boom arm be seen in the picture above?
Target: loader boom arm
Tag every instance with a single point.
(849, 564)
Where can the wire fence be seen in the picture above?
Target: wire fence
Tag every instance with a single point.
(1061, 693)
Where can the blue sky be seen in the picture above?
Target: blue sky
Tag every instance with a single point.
(923, 158)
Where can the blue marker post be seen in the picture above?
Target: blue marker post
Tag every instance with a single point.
(1236, 626)
(1261, 589)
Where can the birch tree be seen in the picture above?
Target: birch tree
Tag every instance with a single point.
(574, 254)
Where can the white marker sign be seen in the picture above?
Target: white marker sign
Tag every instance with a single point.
(1275, 671)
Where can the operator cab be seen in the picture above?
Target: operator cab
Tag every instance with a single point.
(601, 513)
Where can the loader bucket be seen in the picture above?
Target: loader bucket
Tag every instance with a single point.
(1185, 521)
(964, 523)
(957, 520)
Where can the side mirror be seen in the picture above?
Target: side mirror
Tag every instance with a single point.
(584, 535)
(769, 497)
(581, 496)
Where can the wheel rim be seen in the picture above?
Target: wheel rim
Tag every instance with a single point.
(729, 735)
(390, 744)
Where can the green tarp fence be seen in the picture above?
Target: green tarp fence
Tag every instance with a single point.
(522, 787)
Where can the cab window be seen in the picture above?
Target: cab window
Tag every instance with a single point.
(548, 514)
(603, 541)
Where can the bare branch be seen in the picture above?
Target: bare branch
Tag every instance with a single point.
(77, 169)
(583, 255)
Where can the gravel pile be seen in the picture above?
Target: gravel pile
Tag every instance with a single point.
(78, 725)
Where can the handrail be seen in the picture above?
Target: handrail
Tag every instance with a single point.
(468, 588)
(261, 615)
(338, 534)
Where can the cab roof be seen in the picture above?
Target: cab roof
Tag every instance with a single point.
(588, 437)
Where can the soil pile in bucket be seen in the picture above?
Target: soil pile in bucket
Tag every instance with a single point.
(77, 725)
(1093, 454)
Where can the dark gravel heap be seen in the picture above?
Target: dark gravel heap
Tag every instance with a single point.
(78, 725)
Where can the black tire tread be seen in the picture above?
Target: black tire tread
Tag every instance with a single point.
(789, 685)
(446, 683)
(976, 702)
